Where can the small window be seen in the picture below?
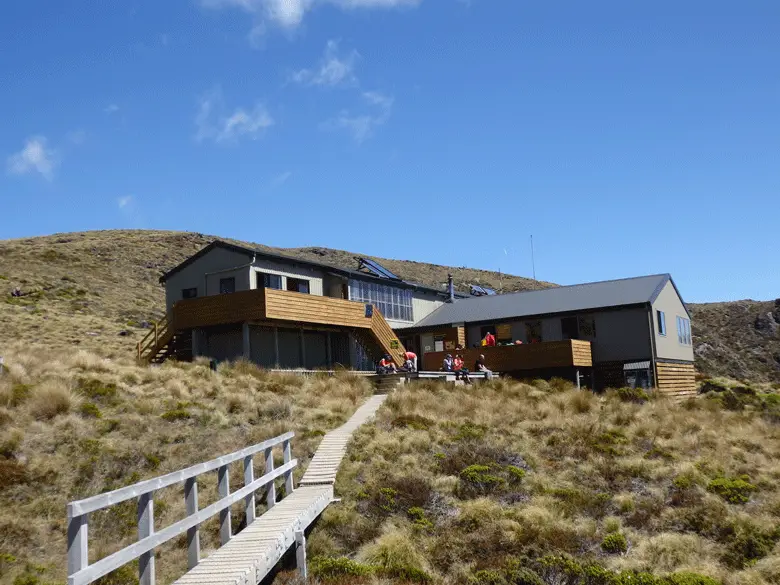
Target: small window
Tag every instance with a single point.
(189, 293)
(227, 285)
(570, 328)
(684, 336)
(533, 331)
(298, 285)
(661, 323)
(587, 326)
(272, 281)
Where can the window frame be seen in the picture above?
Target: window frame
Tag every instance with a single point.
(267, 276)
(185, 291)
(229, 279)
(660, 316)
(298, 282)
(684, 334)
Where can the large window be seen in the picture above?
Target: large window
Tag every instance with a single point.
(533, 331)
(393, 302)
(661, 316)
(298, 285)
(227, 285)
(570, 328)
(271, 280)
(684, 331)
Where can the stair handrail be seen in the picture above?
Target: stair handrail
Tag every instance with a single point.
(152, 338)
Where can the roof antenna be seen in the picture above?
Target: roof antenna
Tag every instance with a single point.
(533, 260)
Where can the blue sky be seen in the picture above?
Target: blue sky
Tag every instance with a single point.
(628, 138)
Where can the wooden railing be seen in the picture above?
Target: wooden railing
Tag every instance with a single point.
(80, 572)
(150, 344)
(528, 356)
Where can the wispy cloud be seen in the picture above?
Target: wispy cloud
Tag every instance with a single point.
(361, 126)
(111, 109)
(332, 69)
(125, 203)
(288, 14)
(213, 123)
(281, 179)
(34, 157)
(77, 137)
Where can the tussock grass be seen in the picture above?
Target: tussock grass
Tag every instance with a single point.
(476, 480)
(74, 424)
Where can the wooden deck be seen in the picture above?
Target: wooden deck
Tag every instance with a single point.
(528, 356)
(278, 308)
(244, 558)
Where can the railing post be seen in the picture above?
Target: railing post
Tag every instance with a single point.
(269, 467)
(78, 543)
(193, 534)
(155, 334)
(223, 477)
(249, 477)
(146, 528)
(288, 475)
(300, 553)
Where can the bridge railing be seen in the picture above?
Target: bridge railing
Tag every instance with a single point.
(80, 572)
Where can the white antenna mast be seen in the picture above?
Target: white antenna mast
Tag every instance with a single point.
(533, 260)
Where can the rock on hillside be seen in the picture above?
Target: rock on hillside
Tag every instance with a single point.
(739, 339)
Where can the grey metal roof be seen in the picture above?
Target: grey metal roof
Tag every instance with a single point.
(562, 299)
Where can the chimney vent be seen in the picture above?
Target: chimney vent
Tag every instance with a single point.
(450, 288)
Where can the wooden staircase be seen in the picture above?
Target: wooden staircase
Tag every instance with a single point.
(162, 343)
(381, 340)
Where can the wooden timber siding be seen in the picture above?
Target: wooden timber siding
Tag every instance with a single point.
(283, 308)
(675, 379)
(528, 356)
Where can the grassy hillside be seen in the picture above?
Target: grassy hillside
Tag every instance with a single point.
(505, 483)
(97, 290)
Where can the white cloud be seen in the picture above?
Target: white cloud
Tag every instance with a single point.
(111, 109)
(34, 157)
(332, 70)
(289, 14)
(213, 124)
(361, 126)
(281, 179)
(125, 203)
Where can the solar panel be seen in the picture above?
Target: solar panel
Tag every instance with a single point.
(481, 291)
(377, 269)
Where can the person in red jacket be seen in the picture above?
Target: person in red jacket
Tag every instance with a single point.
(490, 339)
(410, 361)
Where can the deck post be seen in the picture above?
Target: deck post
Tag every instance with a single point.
(579, 387)
(276, 346)
(146, 528)
(249, 477)
(246, 348)
(300, 553)
(288, 476)
(303, 347)
(223, 477)
(269, 467)
(155, 335)
(328, 350)
(193, 534)
(196, 336)
(78, 547)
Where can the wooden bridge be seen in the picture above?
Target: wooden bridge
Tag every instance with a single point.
(244, 558)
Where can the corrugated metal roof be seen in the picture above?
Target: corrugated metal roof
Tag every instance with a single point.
(578, 297)
(637, 366)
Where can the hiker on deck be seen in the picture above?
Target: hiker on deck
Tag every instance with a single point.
(447, 365)
(490, 340)
(461, 373)
(410, 361)
(479, 366)
(386, 366)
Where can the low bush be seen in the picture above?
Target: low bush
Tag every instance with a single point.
(329, 569)
(480, 480)
(614, 543)
(90, 410)
(733, 490)
(176, 415)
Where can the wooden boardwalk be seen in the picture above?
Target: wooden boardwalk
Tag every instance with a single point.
(253, 552)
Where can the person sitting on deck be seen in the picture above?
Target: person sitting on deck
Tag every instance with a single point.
(386, 366)
(461, 373)
(410, 361)
(490, 340)
(479, 366)
(447, 365)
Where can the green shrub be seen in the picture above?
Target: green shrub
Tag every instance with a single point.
(152, 460)
(712, 386)
(418, 518)
(124, 575)
(733, 490)
(614, 543)
(470, 431)
(487, 577)
(481, 480)
(176, 414)
(747, 544)
(327, 568)
(688, 579)
(90, 409)
(97, 390)
(408, 574)
(636, 395)
(20, 393)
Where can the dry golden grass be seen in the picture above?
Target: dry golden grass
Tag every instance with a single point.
(75, 424)
(458, 481)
